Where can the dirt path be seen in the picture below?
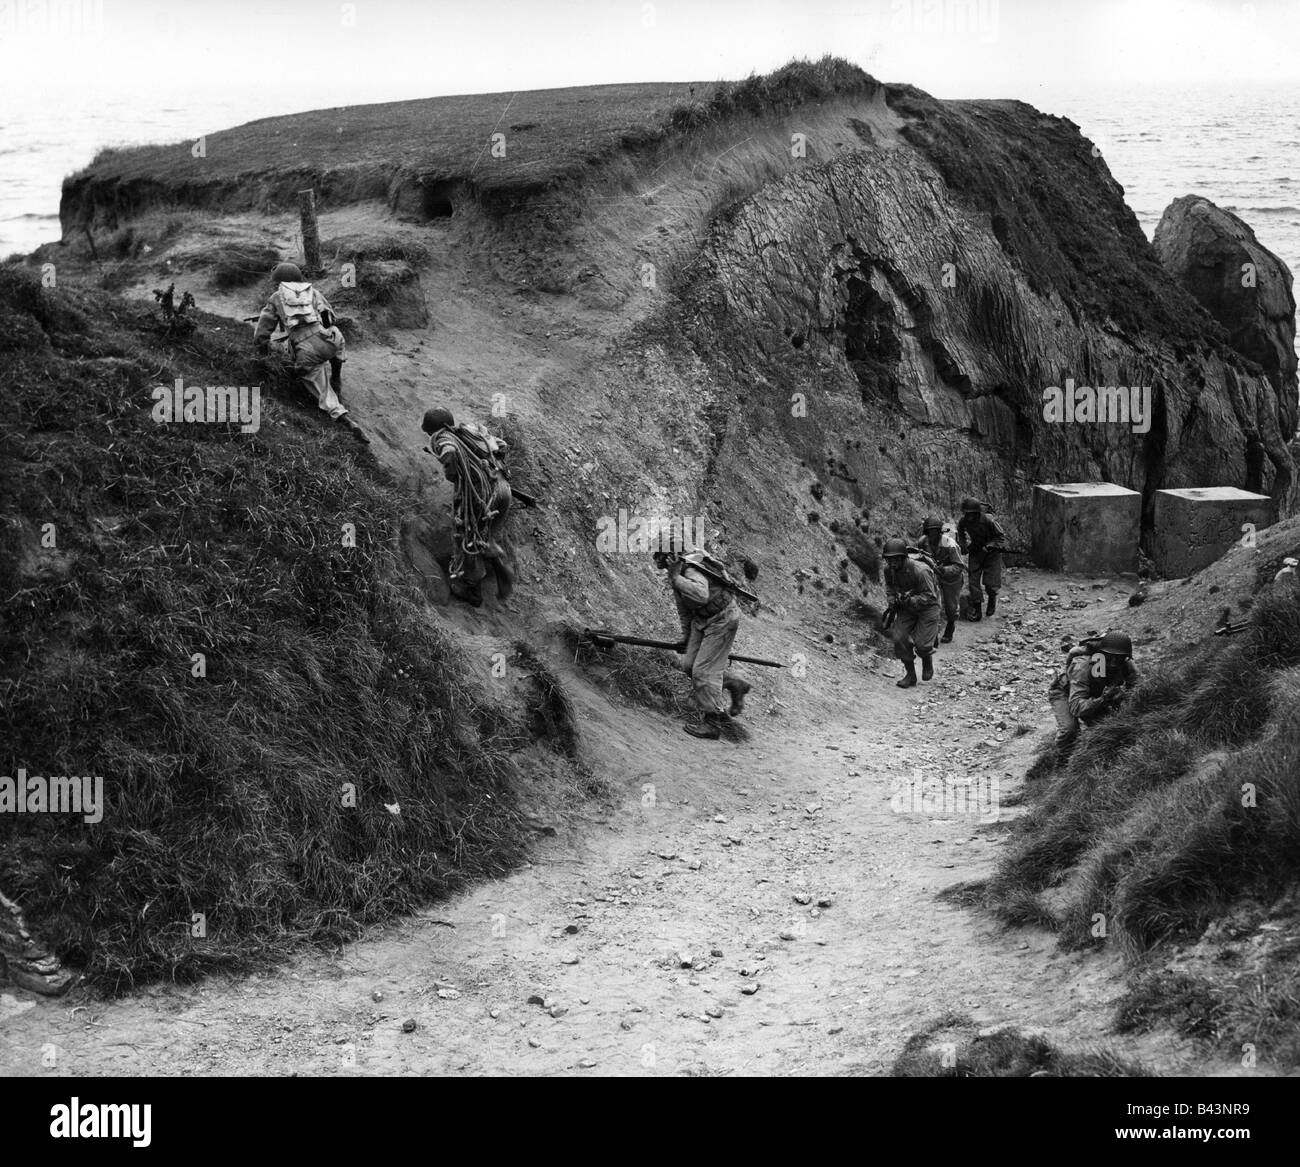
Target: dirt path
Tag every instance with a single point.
(714, 854)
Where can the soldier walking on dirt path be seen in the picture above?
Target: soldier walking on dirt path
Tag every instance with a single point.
(710, 619)
(914, 606)
(315, 341)
(982, 541)
(473, 461)
(949, 566)
(1097, 676)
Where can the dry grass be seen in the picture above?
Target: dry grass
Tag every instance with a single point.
(1173, 812)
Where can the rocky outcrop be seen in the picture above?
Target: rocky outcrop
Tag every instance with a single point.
(889, 303)
(24, 960)
(1243, 285)
(921, 293)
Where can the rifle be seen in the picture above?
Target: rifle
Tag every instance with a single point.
(603, 638)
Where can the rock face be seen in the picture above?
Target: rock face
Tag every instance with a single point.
(1243, 285)
(885, 309)
(24, 960)
(916, 297)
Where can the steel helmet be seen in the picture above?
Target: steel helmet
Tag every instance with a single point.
(287, 273)
(894, 547)
(932, 523)
(437, 419)
(1116, 644)
(970, 504)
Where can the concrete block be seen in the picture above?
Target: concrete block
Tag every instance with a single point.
(1194, 526)
(1089, 527)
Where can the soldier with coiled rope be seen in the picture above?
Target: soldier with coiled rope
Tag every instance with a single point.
(474, 463)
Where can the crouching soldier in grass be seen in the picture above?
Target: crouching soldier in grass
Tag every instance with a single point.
(709, 619)
(914, 606)
(316, 344)
(949, 567)
(1097, 676)
(982, 540)
(473, 461)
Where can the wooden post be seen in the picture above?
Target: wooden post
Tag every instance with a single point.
(310, 236)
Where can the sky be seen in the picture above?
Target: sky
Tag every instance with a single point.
(307, 53)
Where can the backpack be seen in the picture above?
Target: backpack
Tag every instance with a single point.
(489, 450)
(298, 303)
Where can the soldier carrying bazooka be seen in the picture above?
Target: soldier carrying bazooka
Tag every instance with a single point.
(703, 592)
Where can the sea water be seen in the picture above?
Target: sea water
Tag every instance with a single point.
(1239, 147)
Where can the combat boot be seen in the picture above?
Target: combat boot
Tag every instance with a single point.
(709, 726)
(927, 667)
(737, 688)
(910, 678)
(993, 603)
(948, 628)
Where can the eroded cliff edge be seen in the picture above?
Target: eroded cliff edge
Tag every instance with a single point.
(862, 294)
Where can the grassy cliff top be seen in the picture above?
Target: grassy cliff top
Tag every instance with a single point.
(548, 133)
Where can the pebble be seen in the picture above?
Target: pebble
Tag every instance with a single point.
(714, 1011)
(802, 897)
(750, 989)
(532, 1041)
(569, 958)
(586, 1063)
(557, 1010)
(408, 1026)
(376, 996)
